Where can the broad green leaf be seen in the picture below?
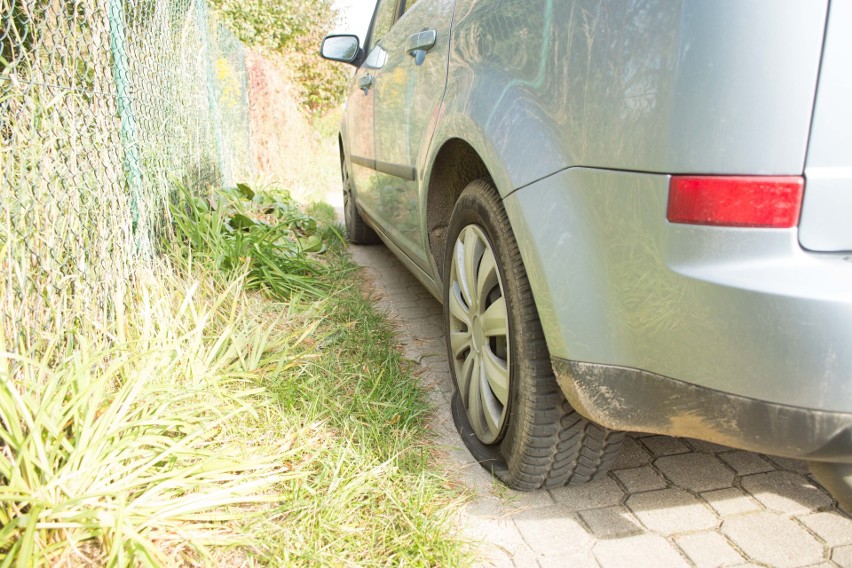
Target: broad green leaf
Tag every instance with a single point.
(246, 191)
(240, 221)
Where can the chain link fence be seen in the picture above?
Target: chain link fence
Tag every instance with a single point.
(105, 107)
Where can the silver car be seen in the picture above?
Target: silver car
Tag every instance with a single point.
(637, 215)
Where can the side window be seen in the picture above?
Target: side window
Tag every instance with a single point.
(386, 13)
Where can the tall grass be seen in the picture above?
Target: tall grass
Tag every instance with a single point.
(217, 425)
(136, 452)
(376, 497)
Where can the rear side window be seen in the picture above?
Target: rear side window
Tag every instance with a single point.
(386, 13)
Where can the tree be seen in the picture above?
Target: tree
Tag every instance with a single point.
(295, 29)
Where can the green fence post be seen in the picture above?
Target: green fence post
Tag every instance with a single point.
(212, 95)
(121, 76)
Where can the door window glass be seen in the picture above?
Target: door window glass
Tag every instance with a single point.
(386, 13)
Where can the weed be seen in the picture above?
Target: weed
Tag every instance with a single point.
(264, 234)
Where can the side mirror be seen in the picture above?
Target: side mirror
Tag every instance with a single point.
(343, 48)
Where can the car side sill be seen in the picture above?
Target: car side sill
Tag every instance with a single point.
(631, 399)
(408, 173)
(421, 275)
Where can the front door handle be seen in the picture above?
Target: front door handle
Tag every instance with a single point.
(421, 41)
(365, 82)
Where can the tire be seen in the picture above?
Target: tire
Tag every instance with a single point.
(357, 230)
(514, 419)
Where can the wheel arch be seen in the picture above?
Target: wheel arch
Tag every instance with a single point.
(456, 164)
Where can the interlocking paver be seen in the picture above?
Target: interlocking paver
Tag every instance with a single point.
(529, 500)
(655, 523)
(842, 556)
(592, 495)
(709, 550)
(664, 445)
(786, 491)
(503, 543)
(672, 511)
(774, 539)
(577, 560)
(746, 463)
(788, 464)
(706, 447)
(731, 501)
(611, 522)
(640, 479)
(835, 529)
(632, 454)
(696, 472)
(642, 551)
(552, 531)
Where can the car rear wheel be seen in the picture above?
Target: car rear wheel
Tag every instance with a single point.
(508, 407)
(358, 232)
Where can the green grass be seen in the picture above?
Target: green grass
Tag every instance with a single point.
(375, 499)
(225, 420)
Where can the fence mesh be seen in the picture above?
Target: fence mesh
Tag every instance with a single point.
(105, 106)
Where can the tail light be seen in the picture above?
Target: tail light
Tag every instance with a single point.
(736, 201)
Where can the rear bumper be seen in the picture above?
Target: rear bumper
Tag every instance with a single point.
(629, 399)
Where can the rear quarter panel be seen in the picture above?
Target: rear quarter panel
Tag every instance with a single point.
(720, 86)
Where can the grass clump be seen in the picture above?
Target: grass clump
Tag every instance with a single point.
(218, 424)
(373, 498)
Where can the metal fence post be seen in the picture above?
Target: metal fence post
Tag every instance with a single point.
(121, 76)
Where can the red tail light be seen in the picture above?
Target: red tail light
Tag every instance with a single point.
(736, 201)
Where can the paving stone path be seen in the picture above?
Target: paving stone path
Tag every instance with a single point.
(667, 501)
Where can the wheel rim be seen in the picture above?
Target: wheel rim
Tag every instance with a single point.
(479, 334)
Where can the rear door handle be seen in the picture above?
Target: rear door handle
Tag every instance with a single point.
(421, 41)
(365, 82)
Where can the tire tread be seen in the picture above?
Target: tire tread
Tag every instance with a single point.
(554, 445)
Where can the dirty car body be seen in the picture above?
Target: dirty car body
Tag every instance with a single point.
(672, 193)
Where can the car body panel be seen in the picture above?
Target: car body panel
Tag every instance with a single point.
(658, 86)
(408, 96)
(826, 223)
(359, 142)
(744, 311)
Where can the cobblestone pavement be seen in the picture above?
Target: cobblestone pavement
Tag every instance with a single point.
(667, 501)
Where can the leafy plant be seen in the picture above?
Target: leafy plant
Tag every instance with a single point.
(214, 426)
(263, 234)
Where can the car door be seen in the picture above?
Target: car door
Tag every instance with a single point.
(408, 93)
(360, 109)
